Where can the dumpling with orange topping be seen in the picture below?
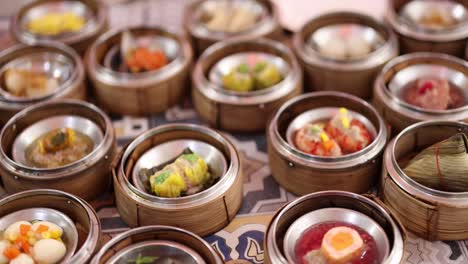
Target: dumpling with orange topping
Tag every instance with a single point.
(350, 133)
(312, 139)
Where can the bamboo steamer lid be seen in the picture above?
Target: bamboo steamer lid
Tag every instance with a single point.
(185, 239)
(430, 213)
(204, 212)
(413, 38)
(87, 177)
(225, 109)
(146, 92)
(367, 205)
(405, 69)
(80, 212)
(48, 57)
(201, 37)
(351, 75)
(94, 12)
(301, 173)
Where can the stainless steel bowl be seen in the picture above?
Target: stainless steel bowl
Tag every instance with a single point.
(169, 46)
(70, 233)
(307, 221)
(165, 251)
(203, 10)
(54, 65)
(321, 114)
(321, 37)
(227, 64)
(305, 206)
(414, 10)
(162, 154)
(36, 130)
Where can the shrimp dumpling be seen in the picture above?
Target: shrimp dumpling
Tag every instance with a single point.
(334, 48)
(13, 231)
(358, 47)
(49, 251)
(4, 244)
(22, 259)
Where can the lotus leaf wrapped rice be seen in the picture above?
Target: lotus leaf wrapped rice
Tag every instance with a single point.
(186, 175)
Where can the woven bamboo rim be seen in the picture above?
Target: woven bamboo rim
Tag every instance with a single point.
(86, 219)
(398, 114)
(429, 213)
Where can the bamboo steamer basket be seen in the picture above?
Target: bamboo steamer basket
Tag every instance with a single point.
(145, 93)
(414, 39)
(401, 71)
(63, 60)
(80, 212)
(97, 18)
(354, 76)
(156, 233)
(201, 37)
(370, 206)
(301, 173)
(87, 177)
(202, 213)
(227, 110)
(429, 213)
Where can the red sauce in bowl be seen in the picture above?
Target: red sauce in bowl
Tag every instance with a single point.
(312, 240)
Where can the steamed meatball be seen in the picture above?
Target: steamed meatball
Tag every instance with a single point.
(13, 231)
(4, 244)
(22, 259)
(49, 251)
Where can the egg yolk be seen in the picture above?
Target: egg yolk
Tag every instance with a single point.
(341, 241)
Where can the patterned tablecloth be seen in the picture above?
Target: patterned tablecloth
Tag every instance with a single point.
(243, 237)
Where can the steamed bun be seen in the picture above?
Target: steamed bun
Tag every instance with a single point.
(49, 251)
(22, 259)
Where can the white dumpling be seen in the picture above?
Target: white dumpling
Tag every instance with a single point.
(358, 47)
(51, 226)
(4, 244)
(49, 251)
(13, 231)
(335, 48)
(22, 259)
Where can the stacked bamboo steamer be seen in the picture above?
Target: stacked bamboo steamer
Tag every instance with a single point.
(266, 22)
(225, 109)
(94, 12)
(403, 16)
(352, 75)
(430, 213)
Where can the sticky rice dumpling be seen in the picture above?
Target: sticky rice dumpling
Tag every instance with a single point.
(188, 174)
(442, 166)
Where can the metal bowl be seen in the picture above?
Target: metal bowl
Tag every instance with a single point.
(411, 73)
(94, 20)
(321, 36)
(170, 47)
(164, 250)
(54, 65)
(321, 114)
(307, 221)
(157, 240)
(225, 65)
(203, 12)
(290, 217)
(70, 233)
(30, 134)
(160, 155)
(414, 10)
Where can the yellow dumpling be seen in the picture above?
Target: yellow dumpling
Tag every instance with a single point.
(194, 167)
(168, 183)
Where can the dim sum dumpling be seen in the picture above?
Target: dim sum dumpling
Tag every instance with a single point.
(335, 47)
(49, 251)
(22, 259)
(3, 245)
(52, 227)
(13, 231)
(358, 47)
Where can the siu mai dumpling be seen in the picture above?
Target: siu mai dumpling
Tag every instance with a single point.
(239, 79)
(266, 75)
(194, 168)
(348, 132)
(169, 182)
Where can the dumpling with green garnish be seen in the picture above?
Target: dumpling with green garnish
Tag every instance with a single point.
(239, 79)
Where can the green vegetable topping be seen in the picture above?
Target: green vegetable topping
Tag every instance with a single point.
(143, 259)
(58, 138)
(162, 177)
(243, 68)
(260, 66)
(190, 157)
(314, 129)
